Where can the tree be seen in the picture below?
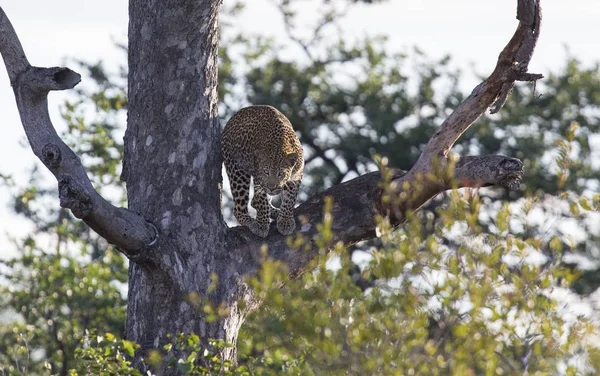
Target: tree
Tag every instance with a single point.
(173, 232)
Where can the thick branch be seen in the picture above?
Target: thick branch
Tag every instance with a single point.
(31, 85)
(359, 201)
(356, 204)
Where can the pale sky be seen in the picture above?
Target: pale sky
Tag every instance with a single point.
(472, 31)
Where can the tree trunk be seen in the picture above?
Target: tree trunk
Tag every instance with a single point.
(172, 167)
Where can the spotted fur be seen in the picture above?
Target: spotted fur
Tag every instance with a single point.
(259, 142)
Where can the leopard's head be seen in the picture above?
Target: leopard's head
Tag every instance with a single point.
(275, 173)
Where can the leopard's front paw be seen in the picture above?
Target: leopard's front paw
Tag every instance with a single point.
(259, 229)
(285, 225)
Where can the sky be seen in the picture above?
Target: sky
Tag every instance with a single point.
(473, 32)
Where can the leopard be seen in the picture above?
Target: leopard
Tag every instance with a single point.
(259, 144)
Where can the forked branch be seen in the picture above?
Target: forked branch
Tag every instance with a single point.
(31, 86)
(359, 201)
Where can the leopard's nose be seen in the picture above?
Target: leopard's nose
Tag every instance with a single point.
(272, 182)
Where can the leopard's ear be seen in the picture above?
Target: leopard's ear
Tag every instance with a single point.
(290, 159)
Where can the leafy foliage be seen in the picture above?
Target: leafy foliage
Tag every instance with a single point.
(105, 355)
(53, 298)
(487, 307)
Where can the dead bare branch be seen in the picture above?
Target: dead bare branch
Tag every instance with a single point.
(31, 86)
(512, 65)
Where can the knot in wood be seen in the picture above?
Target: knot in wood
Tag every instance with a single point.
(73, 196)
(51, 156)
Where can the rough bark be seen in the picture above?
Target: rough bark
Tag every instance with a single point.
(173, 171)
(173, 232)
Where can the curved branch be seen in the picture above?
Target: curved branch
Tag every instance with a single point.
(512, 66)
(31, 86)
(356, 203)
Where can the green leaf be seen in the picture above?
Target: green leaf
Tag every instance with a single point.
(129, 347)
